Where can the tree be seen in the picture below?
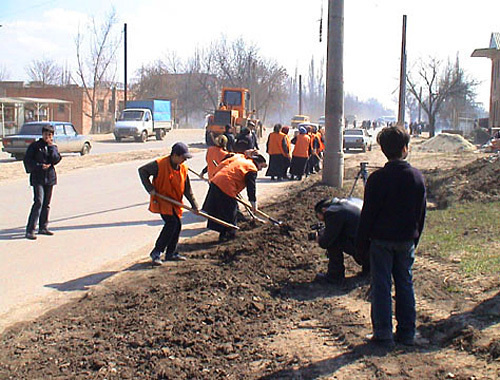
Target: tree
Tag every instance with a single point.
(440, 84)
(45, 71)
(96, 69)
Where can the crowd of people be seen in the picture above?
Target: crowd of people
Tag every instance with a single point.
(380, 233)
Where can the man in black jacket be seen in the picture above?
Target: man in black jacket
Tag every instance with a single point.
(341, 218)
(40, 159)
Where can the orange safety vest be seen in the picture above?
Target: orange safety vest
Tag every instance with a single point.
(302, 145)
(321, 143)
(230, 179)
(275, 143)
(214, 153)
(227, 161)
(311, 142)
(171, 183)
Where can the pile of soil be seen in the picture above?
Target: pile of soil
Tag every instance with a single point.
(249, 309)
(447, 143)
(477, 181)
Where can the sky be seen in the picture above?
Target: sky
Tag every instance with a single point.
(284, 30)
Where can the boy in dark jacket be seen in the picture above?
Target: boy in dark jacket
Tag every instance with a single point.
(391, 224)
(40, 159)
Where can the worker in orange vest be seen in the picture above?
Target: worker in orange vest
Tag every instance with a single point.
(225, 186)
(215, 154)
(313, 162)
(300, 154)
(279, 154)
(170, 178)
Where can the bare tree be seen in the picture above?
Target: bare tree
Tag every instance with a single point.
(45, 71)
(96, 69)
(440, 84)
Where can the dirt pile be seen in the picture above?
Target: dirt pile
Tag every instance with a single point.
(447, 143)
(249, 309)
(477, 181)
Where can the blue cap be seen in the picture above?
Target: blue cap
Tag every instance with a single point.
(181, 149)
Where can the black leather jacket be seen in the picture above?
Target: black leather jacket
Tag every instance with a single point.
(38, 153)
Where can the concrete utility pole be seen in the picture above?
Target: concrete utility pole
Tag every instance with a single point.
(333, 164)
(300, 94)
(402, 78)
(125, 64)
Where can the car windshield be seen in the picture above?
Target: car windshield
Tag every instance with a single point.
(353, 132)
(298, 118)
(131, 116)
(31, 129)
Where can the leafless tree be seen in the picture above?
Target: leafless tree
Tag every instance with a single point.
(440, 83)
(45, 71)
(96, 58)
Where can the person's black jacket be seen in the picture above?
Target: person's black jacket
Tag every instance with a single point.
(243, 143)
(394, 205)
(341, 226)
(37, 154)
(230, 142)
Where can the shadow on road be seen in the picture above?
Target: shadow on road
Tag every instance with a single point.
(85, 282)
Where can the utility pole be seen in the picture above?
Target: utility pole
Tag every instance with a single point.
(300, 94)
(402, 78)
(333, 164)
(125, 64)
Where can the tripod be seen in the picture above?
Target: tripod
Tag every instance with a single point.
(363, 172)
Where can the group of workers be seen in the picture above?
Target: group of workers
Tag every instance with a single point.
(309, 145)
(381, 232)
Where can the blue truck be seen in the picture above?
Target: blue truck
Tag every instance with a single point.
(144, 118)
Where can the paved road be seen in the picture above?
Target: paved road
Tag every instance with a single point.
(101, 224)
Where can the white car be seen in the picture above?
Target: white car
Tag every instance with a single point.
(357, 138)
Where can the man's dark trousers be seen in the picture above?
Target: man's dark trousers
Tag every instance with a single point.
(392, 259)
(40, 209)
(169, 235)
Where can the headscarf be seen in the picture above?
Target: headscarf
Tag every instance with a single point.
(302, 130)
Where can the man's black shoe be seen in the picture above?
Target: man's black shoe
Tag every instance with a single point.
(383, 342)
(30, 236)
(175, 257)
(45, 231)
(329, 279)
(406, 341)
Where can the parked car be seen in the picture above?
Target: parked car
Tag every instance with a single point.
(357, 138)
(65, 137)
(297, 119)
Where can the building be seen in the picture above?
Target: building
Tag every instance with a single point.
(493, 53)
(109, 103)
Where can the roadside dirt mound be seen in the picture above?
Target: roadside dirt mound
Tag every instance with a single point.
(248, 309)
(477, 181)
(448, 143)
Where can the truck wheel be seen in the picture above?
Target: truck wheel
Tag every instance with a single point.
(118, 138)
(85, 149)
(144, 136)
(160, 134)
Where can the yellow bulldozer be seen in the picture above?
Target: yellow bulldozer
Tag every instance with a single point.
(233, 110)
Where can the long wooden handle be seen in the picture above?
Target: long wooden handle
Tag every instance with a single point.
(199, 175)
(199, 212)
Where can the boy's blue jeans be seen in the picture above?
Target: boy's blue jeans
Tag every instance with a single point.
(392, 259)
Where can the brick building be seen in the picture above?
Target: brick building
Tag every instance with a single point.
(493, 53)
(109, 102)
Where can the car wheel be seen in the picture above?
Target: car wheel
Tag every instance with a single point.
(118, 138)
(18, 157)
(364, 148)
(144, 136)
(85, 150)
(160, 134)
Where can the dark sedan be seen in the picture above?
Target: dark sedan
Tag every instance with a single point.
(65, 137)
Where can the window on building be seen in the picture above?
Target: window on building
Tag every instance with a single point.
(60, 108)
(100, 105)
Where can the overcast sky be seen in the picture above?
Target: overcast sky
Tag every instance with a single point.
(286, 30)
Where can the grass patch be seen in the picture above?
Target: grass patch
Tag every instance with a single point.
(467, 231)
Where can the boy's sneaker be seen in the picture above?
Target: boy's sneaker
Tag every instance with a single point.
(157, 262)
(379, 341)
(175, 257)
(155, 257)
(406, 341)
